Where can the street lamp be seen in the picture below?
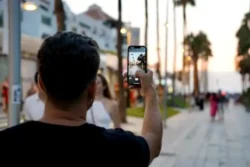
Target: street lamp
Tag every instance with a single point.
(29, 6)
(12, 16)
(165, 97)
(123, 30)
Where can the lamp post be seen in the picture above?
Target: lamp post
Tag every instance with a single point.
(14, 51)
(165, 98)
(126, 33)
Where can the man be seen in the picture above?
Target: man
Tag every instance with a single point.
(33, 105)
(62, 136)
(221, 101)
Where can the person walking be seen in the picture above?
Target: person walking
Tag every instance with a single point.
(5, 96)
(221, 101)
(62, 136)
(104, 110)
(213, 106)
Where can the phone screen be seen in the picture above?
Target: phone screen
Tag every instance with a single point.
(137, 61)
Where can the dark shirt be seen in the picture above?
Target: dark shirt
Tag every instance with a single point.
(85, 145)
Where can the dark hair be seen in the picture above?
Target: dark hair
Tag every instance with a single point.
(67, 64)
(106, 91)
(36, 78)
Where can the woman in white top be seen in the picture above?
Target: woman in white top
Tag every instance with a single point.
(104, 110)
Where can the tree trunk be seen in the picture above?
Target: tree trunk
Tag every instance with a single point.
(183, 54)
(122, 100)
(60, 15)
(175, 49)
(206, 76)
(158, 67)
(146, 24)
(196, 77)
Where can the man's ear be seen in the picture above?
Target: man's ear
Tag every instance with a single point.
(40, 84)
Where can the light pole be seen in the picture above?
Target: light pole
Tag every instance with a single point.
(14, 62)
(165, 99)
(14, 39)
(175, 51)
(127, 33)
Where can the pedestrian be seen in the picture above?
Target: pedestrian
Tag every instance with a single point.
(213, 106)
(221, 101)
(5, 95)
(63, 137)
(34, 105)
(201, 101)
(104, 110)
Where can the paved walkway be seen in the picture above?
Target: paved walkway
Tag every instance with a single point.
(191, 140)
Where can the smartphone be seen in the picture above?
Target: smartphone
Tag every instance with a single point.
(137, 60)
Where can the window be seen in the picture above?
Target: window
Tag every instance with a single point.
(44, 8)
(84, 25)
(107, 45)
(1, 19)
(103, 33)
(45, 1)
(74, 29)
(46, 20)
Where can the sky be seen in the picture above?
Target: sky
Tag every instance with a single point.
(219, 19)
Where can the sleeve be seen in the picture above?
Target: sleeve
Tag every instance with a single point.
(128, 148)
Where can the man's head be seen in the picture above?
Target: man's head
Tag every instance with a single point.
(68, 65)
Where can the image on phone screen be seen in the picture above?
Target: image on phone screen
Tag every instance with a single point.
(137, 61)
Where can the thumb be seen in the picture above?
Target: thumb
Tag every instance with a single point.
(139, 74)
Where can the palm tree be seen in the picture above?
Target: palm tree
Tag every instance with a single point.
(243, 35)
(122, 103)
(244, 65)
(146, 24)
(200, 47)
(60, 15)
(183, 4)
(158, 66)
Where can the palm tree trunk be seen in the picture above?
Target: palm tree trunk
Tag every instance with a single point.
(196, 77)
(60, 15)
(122, 108)
(206, 76)
(183, 54)
(175, 49)
(146, 24)
(158, 67)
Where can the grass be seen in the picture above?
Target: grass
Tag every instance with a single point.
(178, 102)
(139, 112)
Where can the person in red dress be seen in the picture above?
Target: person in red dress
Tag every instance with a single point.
(213, 106)
(5, 95)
